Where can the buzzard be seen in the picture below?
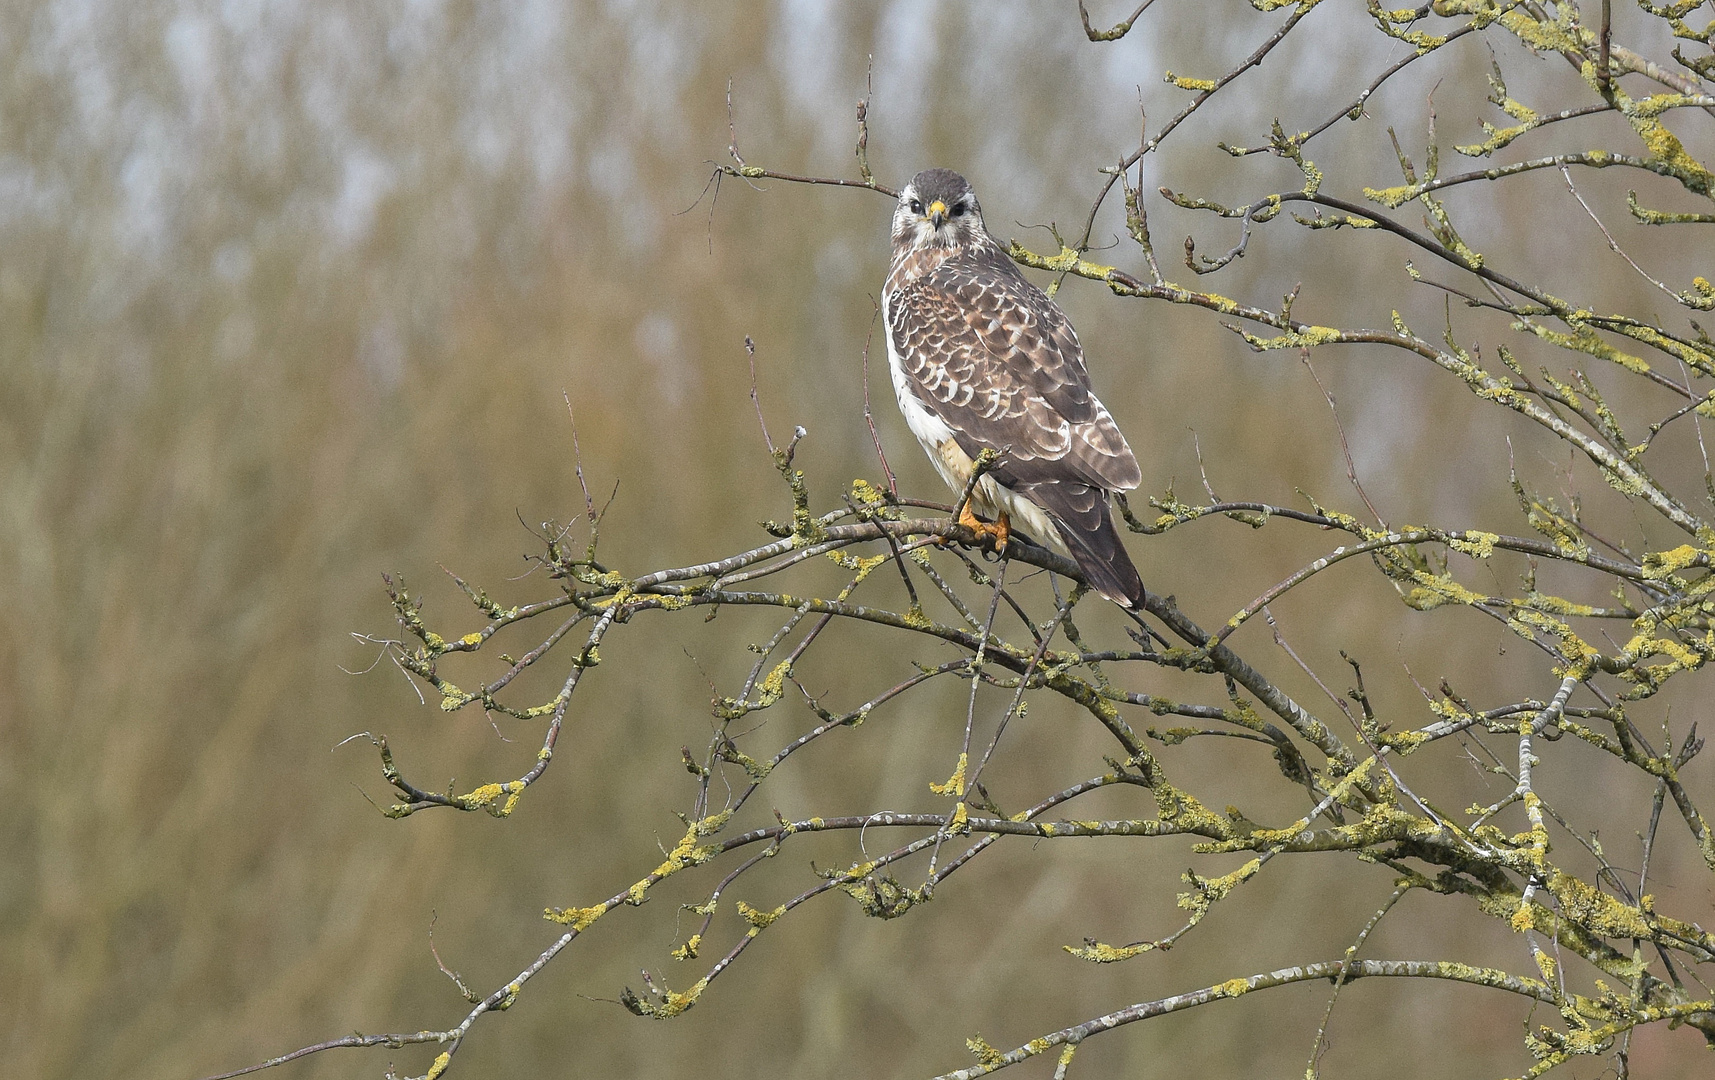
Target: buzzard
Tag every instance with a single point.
(984, 360)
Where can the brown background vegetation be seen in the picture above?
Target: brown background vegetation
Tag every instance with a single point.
(289, 295)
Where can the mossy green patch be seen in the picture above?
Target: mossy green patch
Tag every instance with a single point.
(579, 919)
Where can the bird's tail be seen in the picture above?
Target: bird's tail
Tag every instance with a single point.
(1105, 563)
(1086, 527)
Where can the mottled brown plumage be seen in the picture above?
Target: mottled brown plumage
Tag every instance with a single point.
(984, 360)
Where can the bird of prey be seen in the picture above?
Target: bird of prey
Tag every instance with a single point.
(984, 360)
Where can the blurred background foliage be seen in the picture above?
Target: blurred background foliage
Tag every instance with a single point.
(289, 296)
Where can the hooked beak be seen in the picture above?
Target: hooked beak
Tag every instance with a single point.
(938, 213)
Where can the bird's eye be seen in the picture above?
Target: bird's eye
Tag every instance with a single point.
(916, 206)
(958, 209)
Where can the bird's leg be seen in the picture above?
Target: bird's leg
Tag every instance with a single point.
(1000, 530)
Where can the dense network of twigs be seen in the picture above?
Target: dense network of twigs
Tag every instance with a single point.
(1602, 930)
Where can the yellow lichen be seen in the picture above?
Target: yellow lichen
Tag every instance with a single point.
(1661, 564)
(1098, 953)
(674, 1004)
(775, 684)
(955, 785)
(915, 618)
(984, 1052)
(853, 562)
(1596, 910)
(1545, 964)
(1434, 590)
(486, 796)
(1524, 918)
(1184, 83)
(1304, 338)
(1478, 545)
(452, 698)
(577, 918)
(1404, 742)
(867, 493)
(756, 917)
(1392, 197)
(685, 853)
(1207, 891)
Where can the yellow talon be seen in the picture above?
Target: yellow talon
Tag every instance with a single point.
(1000, 530)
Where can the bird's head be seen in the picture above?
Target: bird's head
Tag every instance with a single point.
(937, 209)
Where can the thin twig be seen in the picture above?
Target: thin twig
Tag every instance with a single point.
(1345, 447)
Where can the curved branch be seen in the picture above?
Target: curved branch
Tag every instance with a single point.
(1343, 970)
